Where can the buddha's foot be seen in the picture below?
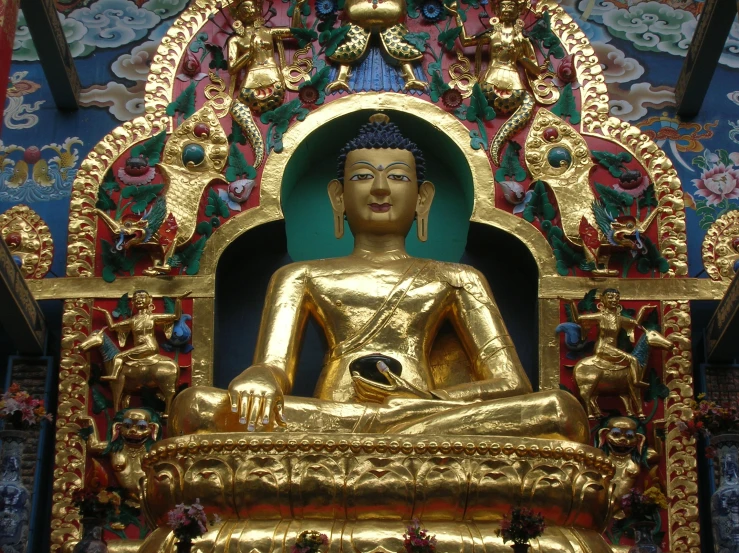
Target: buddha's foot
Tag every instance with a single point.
(415, 84)
(338, 86)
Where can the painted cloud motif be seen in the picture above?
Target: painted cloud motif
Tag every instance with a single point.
(657, 27)
(104, 24)
(617, 67)
(113, 23)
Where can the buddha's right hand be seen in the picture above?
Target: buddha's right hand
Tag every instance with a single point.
(256, 394)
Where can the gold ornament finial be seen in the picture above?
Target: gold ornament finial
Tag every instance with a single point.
(379, 118)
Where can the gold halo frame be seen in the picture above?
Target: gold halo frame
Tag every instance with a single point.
(79, 289)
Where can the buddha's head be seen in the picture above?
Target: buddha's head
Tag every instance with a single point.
(380, 186)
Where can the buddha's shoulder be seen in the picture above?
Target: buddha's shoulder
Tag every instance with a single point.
(453, 271)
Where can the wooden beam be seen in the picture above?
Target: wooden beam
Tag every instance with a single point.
(53, 52)
(20, 315)
(703, 55)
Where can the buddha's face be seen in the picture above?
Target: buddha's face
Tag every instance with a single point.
(381, 193)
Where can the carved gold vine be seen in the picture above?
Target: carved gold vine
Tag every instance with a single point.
(70, 456)
(596, 121)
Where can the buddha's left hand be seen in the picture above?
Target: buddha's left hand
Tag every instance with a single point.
(374, 392)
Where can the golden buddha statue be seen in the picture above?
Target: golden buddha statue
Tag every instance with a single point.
(385, 438)
(379, 299)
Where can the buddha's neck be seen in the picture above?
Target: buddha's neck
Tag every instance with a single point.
(377, 247)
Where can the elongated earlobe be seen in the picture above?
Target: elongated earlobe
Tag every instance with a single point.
(336, 196)
(338, 225)
(423, 207)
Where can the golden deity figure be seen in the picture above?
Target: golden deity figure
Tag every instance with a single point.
(252, 49)
(501, 82)
(610, 370)
(131, 435)
(140, 366)
(385, 18)
(625, 445)
(380, 310)
(387, 436)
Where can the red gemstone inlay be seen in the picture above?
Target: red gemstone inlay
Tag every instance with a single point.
(550, 133)
(201, 129)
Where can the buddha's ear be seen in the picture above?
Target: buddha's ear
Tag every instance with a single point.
(425, 196)
(423, 205)
(336, 196)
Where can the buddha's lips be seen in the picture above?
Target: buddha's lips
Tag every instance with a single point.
(380, 208)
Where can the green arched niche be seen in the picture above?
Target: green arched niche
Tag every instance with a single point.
(307, 211)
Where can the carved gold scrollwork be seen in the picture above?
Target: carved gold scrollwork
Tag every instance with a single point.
(219, 98)
(719, 251)
(70, 456)
(300, 68)
(545, 91)
(461, 75)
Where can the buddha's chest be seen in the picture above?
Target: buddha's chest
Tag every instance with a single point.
(349, 301)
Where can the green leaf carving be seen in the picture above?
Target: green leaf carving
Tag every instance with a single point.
(104, 202)
(303, 36)
(142, 196)
(122, 308)
(184, 103)
(510, 165)
(238, 166)
(447, 38)
(217, 60)
(479, 107)
(566, 105)
(418, 40)
(151, 150)
(539, 205)
(189, 257)
(613, 162)
(615, 202)
(334, 38)
(437, 86)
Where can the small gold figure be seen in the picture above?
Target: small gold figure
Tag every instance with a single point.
(508, 48)
(140, 366)
(612, 371)
(132, 435)
(372, 17)
(252, 48)
(624, 445)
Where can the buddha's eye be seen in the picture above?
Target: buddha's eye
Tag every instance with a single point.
(396, 176)
(363, 176)
(615, 432)
(630, 434)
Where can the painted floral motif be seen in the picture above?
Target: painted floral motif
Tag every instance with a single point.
(718, 184)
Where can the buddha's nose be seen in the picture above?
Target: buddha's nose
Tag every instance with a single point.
(380, 186)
